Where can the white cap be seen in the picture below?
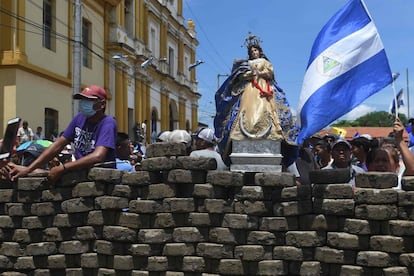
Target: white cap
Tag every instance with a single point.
(164, 136)
(180, 136)
(207, 134)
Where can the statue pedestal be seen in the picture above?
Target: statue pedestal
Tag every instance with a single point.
(256, 156)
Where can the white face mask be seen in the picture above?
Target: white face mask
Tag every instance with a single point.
(86, 108)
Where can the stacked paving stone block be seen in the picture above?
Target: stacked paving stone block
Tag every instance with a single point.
(179, 216)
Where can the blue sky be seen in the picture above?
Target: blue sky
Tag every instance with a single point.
(288, 30)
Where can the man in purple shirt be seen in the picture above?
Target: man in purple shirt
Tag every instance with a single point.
(92, 132)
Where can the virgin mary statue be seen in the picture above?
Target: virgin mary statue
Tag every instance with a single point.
(250, 105)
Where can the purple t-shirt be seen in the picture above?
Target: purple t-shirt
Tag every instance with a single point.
(86, 136)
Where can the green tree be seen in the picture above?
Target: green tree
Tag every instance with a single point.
(373, 119)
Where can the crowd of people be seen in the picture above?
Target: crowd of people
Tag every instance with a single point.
(361, 154)
(91, 139)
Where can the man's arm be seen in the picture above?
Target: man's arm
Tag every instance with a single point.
(46, 156)
(406, 154)
(97, 156)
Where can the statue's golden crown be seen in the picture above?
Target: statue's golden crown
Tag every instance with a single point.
(251, 40)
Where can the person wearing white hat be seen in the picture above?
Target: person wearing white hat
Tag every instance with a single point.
(205, 142)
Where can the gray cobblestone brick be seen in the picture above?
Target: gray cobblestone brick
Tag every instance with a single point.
(373, 259)
(272, 267)
(332, 191)
(217, 206)
(214, 250)
(145, 206)
(178, 249)
(186, 176)
(405, 198)
(73, 247)
(153, 236)
(77, 205)
(225, 178)
(6, 222)
(187, 234)
(122, 190)
(378, 180)
(160, 191)
(390, 244)
(401, 227)
(130, 220)
(119, 233)
(90, 188)
(89, 260)
(32, 184)
(231, 267)
(375, 196)
(17, 210)
(139, 178)
(289, 253)
(21, 236)
(111, 202)
(108, 248)
(361, 227)
(41, 248)
(164, 220)
(193, 264)
(42, 209)
(249, 252)
(334, 256)
(158, 164)
(157, 263)
(275, 179)
(222, 235)
(292, 208)
(305, 238)
(123, 262)
(339, 176)
(105, 175)
(251, 193)
(140, 249)
(6, 195)
(261, 237)
(33, 223)
(351, 270)
(11, 249)
(179, 205)
(274, 224)
(196, 163)
(376, 212)
(240, 221)
(407, 183)
(85, 233)
(199, 219)
(56, 261)
(337, 207)
(313, 222)
(24, 263)
(310, 268)
(253, 207)
(166, 149)
(342, 240)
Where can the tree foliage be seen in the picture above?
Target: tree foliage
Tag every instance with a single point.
(372, 119)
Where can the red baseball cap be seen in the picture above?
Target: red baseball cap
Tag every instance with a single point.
(91, 92)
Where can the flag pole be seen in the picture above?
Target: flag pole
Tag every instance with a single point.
(408, 96)
(394, 77)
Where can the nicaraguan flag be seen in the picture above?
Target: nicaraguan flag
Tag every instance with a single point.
(399, 99)
(347, 65)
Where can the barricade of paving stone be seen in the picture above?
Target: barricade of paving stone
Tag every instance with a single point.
(179, 216)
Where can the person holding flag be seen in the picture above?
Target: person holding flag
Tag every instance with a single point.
(347, 65)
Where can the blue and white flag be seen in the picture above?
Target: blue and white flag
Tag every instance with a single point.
(399, 99)
(347, 65)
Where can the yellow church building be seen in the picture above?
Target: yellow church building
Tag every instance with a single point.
(140, 51)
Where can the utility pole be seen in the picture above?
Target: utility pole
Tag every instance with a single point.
(76, 52)
(408, 97)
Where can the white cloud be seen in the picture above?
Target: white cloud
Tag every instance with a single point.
(358, 111)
